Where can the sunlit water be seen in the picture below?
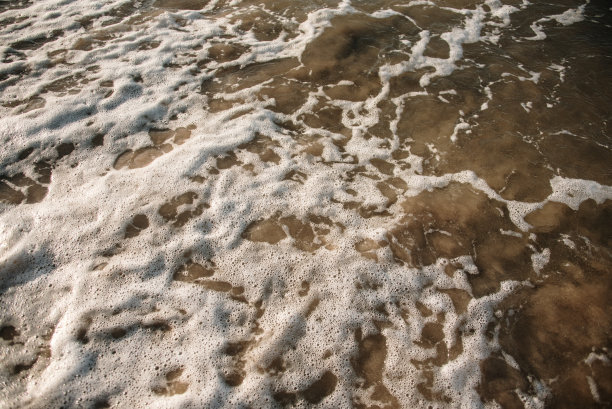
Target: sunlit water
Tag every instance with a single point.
(356, 204)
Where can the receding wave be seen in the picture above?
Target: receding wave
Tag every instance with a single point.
(333, 204)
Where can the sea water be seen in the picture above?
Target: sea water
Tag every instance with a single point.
(334, 204)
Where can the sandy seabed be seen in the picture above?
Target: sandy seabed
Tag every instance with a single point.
(328, 204)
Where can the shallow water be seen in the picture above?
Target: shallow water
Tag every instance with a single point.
(247, 204)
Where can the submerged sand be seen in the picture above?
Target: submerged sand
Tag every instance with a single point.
(334, 204)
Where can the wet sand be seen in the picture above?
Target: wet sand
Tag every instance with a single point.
(364, 204)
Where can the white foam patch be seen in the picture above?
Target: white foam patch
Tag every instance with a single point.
(568, 17)
(539, 260)
(593, 389)
(461, 126)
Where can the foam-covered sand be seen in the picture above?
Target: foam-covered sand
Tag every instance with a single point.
(331, 204)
